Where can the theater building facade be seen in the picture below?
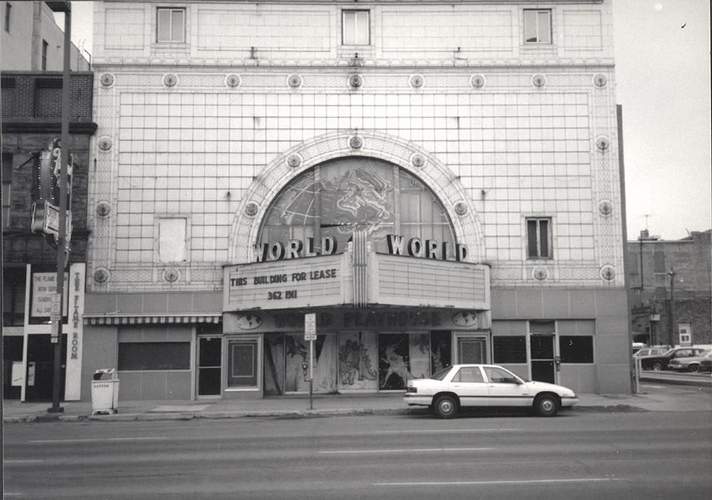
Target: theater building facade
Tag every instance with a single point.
(437, 184)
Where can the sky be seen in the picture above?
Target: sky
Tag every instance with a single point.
(662, 50)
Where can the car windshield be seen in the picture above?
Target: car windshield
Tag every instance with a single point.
(669, 352)
(439, 375)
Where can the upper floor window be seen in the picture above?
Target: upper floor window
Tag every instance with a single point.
(539, 238)
(8, 16)
(172, 236)
(45, 46)
(170, 25)
(356, 27)
(537, 26)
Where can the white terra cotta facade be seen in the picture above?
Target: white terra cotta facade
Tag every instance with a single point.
(504, 129)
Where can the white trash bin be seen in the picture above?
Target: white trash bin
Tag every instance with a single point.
(105, 392)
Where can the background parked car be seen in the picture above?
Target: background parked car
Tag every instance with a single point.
(637, 346)
(661, 362)
(650, 351)
(692, 364)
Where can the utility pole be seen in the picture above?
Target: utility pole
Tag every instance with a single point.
(671, 335)
(62, 243)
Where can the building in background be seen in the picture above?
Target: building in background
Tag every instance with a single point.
(32, 41)
(31, 113)
(680, 314)
(436, 182)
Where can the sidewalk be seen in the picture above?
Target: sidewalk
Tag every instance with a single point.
(323, 405)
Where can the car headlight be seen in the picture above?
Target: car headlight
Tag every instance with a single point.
(411, 389)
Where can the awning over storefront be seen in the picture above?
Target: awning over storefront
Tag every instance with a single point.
(151, 319)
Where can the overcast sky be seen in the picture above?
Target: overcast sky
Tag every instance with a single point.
(663, 83)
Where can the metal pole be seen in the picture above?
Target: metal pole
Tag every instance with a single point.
(624, 242)
(642, 281)
(311, 373)
(61, 238)
(672, 306)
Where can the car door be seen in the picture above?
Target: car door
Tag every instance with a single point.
(469, 384)
(504, 389)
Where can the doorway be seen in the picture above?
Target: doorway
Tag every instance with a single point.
(543, 358)
(472, 349)
(40, 368)
(209, 365)
(12, 357)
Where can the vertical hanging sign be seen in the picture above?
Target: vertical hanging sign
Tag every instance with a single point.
(74, 330)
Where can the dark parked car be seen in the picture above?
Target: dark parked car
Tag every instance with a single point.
(661, 362)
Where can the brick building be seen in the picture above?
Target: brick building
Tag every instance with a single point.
(650, 266)
(437, 182)
(32, 41)
(31, 111)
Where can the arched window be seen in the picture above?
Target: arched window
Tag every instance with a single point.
(337, 196)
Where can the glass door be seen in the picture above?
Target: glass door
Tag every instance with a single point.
(209, 365)
(542, 358)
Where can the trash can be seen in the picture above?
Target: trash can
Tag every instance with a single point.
(105, 392)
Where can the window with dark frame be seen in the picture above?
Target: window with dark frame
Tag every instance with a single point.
(8, 16)
(242, 363)
(576, 348)
(509, 349)
(355, 27)
(537, 26)
(539, 238)
(140, 356)
(45, 46)
(170, 24)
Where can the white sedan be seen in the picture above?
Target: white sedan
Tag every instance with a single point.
(485, 385)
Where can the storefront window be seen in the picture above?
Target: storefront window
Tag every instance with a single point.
(440, 350)
(154, 356)
(510, 349)
(338, 196)
(576, 348)
(393, 361)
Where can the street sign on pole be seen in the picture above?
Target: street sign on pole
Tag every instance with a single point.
(55, 318)
(310, 326)
(310, 336)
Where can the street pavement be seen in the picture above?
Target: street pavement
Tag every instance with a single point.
(695, 396)
(584, 455)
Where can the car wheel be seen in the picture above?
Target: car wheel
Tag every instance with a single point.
(657, 366)
(694, 368)
(445, 407)
(546, 405)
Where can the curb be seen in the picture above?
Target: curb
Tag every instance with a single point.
(673, 381)
(283, 414)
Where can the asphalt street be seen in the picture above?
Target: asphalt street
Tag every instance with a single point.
(578, 454)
